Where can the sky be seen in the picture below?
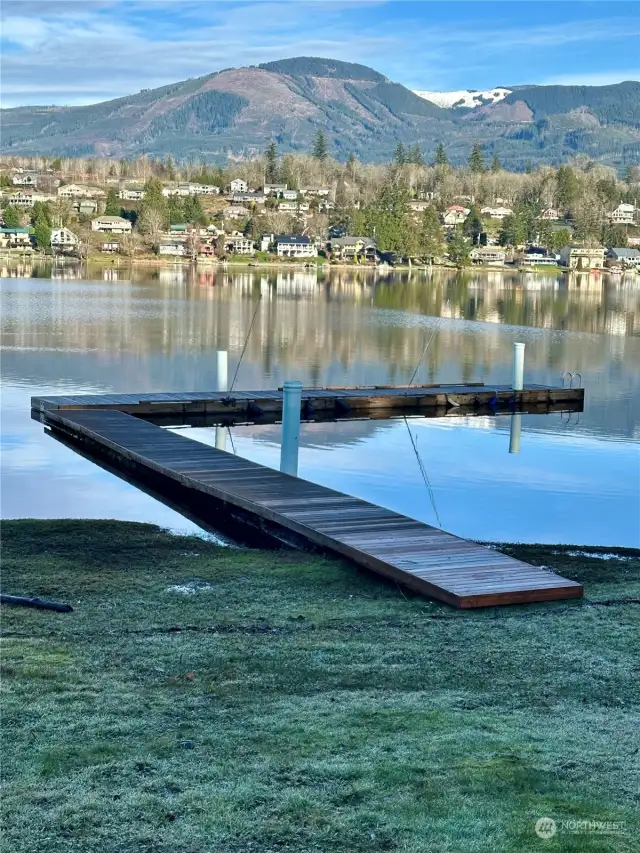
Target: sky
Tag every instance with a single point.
(71, 52)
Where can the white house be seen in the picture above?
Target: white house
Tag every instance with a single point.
(550, 214)
(111, 225)
(175, 248)
(131, 194)
(624, 214)
(496, 212)
(418, 205)
(321, 192)
(455, 215)
(236, 211)
(79, 191)
(488, 256)
(582, 258)
(238, 244)
(250, 197)
(25, 179)
(295, 246)
(625, 257)
(27, 198)
(64, 239)
(289, 195)
(237, 185)
(274, 189)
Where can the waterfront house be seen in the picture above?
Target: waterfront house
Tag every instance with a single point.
(237, 185)
(236, 211)
(238, 244)
(64, 239)
(488, 256)
(111, 225)
(496, 212)
(550, 214)
(629, 258)
(174, 248)
(455, 215)
(25, 179)
(112, 246)
(582, 258)
(348, 248)
(624, 214)
(131, 194)
(295, 246)
(15, 238)
(529, 260)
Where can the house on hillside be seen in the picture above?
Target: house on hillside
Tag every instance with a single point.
(624, 214)
(249, 197)
(491, 256)
(582, 258)
(86, 206)
(496, 212)
(627, 258)
(274, 189)
(25, 179)
(236, 211)
(455, 215)
(79, 191)
(15, 238)
(237, 185)
(348, 248)
(319, 192)
(27, 198)
(111, 225)
(289, 195)
(173, 248)
(418, 205)
(131, 194)
(64, 240)
(295, 246)
(550, 214)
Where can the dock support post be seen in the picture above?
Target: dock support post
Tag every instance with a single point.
(291, 400)
(515, 432)
(518, 367)
(222, 381)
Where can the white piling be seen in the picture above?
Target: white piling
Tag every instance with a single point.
(291, 401)
(514, 435)
(518, 367)
(222, 382)
(221, 370)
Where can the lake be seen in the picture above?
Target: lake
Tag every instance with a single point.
(576, 479)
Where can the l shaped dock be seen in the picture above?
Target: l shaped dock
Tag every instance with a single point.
(297, 512)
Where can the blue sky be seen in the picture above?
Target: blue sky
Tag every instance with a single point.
(71, 52)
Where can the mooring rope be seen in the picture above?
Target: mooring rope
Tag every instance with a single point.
(424, 352)
(246, 341)
(423, 471)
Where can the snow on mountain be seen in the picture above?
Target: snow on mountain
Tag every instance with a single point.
(470, 98)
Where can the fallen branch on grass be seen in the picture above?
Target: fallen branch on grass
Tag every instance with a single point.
(39, 603)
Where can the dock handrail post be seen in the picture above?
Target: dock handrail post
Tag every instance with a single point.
(291, 401)
(518, 367)
(222, 384)
(515, 432)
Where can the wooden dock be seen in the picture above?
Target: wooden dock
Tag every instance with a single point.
(326, 403)
(423, 558)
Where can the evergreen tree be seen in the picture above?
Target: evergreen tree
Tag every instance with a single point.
(430, 234)
(320, 151)
(441, 158)
(459, 249)
(476, 158)
(496, 165)
(41, 211)
(42, 232)
(112, 205)
(56, 165)
(472, 226)
(154, 210)
(567, 187)
(614, 236)
(350, 166)
(400, 157)
(193, 212)
(512, 232)
(12, 216)
(271, 167)
(176, 210)
(414, 156)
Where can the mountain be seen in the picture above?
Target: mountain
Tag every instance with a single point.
(238, 111)
(464, 98)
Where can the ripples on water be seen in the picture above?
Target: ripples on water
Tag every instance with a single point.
(576, 479)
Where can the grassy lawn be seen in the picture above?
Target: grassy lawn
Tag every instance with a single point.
(292, 703)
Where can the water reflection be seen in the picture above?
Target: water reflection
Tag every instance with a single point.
(158, 329)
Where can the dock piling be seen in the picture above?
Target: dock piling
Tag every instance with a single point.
(518, 367)
(222, 383)
(515, 432)
(291, 400)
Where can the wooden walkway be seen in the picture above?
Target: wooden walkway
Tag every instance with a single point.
(322, 402)
(421, 557)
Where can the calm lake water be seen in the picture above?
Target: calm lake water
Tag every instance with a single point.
(576, 479)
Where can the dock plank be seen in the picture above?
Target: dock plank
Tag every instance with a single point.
(424, 558)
